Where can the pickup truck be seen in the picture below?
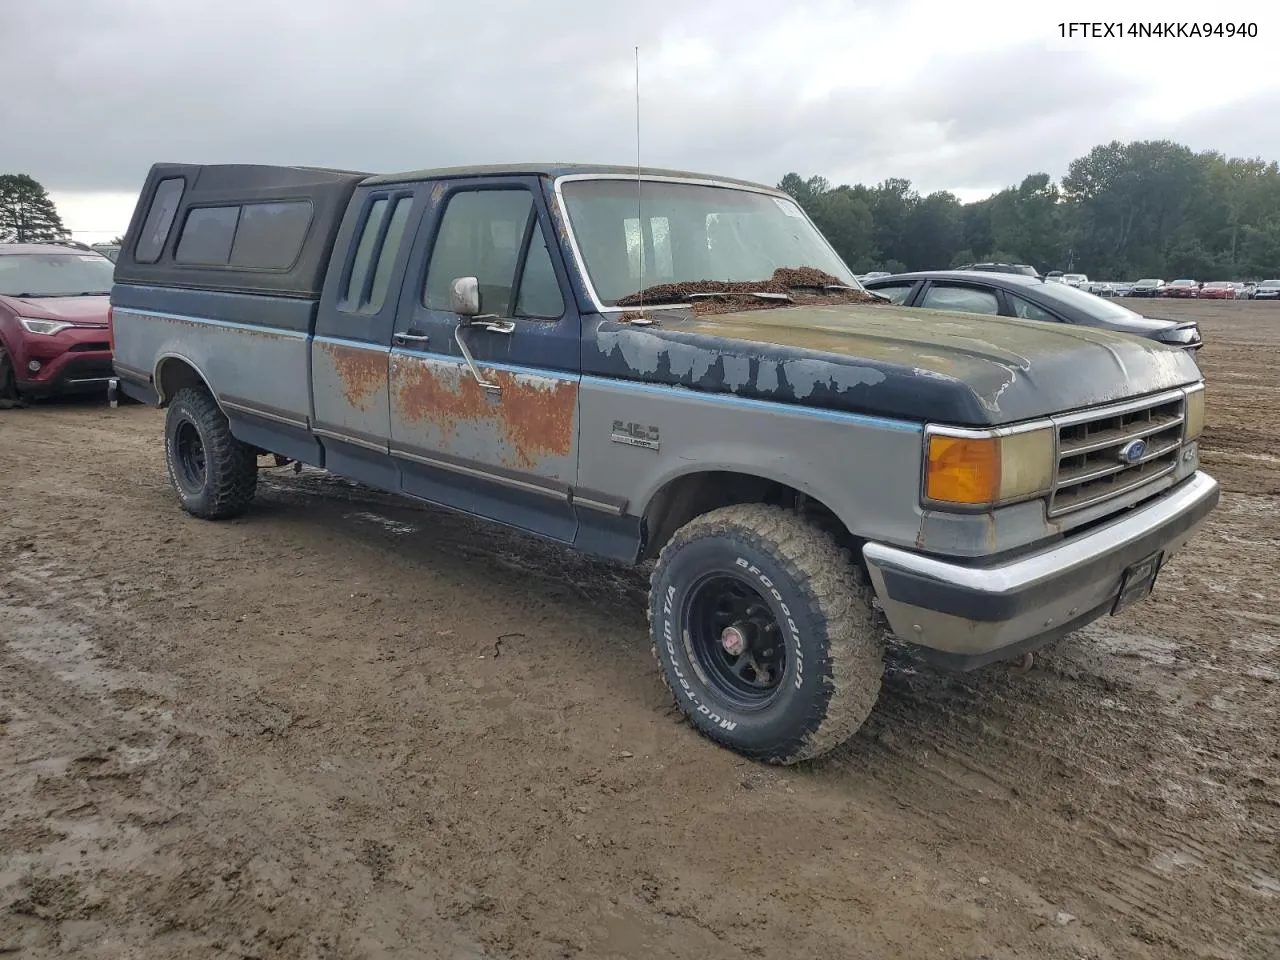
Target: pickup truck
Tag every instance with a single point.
(668, 368)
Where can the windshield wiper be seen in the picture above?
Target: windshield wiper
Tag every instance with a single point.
(30, 296)
(91, 293)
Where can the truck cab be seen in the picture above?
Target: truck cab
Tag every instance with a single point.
(666, 367)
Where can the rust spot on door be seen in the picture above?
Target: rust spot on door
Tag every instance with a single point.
(535, 416)
(361, 373)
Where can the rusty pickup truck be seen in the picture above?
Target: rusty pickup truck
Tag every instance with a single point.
(662, 367)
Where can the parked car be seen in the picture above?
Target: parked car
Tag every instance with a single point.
(1181, 289)
(1023, 268)
(54, 323)
(1099, 288)
(1267, 290)
(108, 250)
(1054, 275)
(1029, 298)
(1077, 280)
(1146, 288)
(1218, 290)
(1122, 288)
(806, 464)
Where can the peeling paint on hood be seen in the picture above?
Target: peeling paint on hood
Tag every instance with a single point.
(890, 361)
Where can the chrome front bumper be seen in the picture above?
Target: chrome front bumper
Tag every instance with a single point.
(969, 614)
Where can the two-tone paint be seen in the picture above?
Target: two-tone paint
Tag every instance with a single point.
(576, 427)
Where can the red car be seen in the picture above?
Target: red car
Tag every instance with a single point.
(55, 335)
(1180, 288)
(1218, 290)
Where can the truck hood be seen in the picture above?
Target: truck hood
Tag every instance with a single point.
(892, 361)
(79, 310)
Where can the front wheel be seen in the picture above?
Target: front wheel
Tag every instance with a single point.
(8, 381)
(215, 475)
(766, 633)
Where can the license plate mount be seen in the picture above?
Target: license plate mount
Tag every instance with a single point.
(1138, 581)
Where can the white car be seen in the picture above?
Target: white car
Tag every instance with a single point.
(1077, 280)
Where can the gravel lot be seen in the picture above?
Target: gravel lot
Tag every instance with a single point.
(347, 726)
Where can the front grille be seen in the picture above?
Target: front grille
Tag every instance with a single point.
(1090, 467)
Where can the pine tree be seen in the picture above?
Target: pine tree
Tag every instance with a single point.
(27, 215)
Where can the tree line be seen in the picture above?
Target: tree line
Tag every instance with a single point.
(1149, 208)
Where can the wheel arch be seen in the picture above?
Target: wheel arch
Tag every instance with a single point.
(173, 372)
(691, 493)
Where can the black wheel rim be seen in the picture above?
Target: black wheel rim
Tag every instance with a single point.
(188, 450)
(722, 613)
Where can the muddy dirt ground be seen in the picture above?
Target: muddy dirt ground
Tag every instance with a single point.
(348, 727)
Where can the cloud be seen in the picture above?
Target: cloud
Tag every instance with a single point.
(855, 91)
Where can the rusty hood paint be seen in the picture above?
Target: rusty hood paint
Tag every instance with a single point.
(891, 361)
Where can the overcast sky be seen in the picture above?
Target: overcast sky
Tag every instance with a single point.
(967, 97)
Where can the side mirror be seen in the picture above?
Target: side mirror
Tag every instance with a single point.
(464, 296)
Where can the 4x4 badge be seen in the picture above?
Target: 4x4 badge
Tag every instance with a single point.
(635, 435)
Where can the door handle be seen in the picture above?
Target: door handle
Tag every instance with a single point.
(495, 326)
(402, 339)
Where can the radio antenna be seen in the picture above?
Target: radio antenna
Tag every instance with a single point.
(639, 216)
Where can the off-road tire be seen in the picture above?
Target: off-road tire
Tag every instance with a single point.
(230, 474)
(823, 601)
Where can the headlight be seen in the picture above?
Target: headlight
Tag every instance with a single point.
(1184, 335)
(46, 327)
(1195, 412)
(985, 468)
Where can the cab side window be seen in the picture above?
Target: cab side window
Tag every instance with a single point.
(494, 236)
(369, 280)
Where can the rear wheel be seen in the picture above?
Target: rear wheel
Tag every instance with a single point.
(766, 633)
(214, 474)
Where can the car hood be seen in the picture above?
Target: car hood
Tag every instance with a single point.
(85, 310)
(892, 361)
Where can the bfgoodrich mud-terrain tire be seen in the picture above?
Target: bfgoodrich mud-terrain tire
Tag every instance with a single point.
(214, 474)
(765, 632)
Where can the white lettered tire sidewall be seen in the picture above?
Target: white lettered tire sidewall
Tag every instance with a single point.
(779, 730)
(177, 414)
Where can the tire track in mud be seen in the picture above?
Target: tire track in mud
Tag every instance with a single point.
(116, 840)
(336, 724)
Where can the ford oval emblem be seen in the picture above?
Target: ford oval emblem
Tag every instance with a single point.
(1133, 451)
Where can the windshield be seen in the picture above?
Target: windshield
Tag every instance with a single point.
(691, 233)
(1147, 283)
(1182, 283)
(1094, 305)
(54, 274)
(1269, 284)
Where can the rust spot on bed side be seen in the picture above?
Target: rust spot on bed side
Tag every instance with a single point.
(535, 416)
(261, 333)
(361, 372)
